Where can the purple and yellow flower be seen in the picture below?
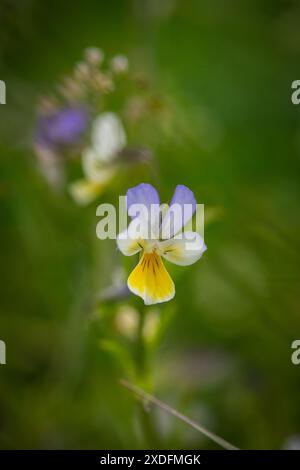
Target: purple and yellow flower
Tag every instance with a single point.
(156, 238)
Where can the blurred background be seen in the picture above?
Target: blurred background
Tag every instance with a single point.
(220, 352)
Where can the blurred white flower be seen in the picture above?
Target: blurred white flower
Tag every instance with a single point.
(93, 168)
(99, 164)
(108, 136)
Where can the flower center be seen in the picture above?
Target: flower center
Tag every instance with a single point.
(150, 246)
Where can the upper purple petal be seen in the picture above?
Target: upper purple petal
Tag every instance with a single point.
(183, 195)
(144, 194)
(175, 219)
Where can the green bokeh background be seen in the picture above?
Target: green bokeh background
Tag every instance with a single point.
(232, 134)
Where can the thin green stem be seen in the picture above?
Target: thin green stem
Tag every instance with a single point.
(144, 377)
(146, 397)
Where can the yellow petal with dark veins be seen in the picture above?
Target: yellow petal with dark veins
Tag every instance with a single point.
(151, 281)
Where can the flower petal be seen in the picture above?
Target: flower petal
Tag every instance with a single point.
(84, 191)
(151, 281)
(128, 244)
(94, 169)
(144, 194)
(108, 136)
(181, 210)
(143, 202)
(63, 127)
(183, 251)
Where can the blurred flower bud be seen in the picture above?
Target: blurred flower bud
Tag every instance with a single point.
(151, 325)
(47, 105)
(119, 64)
(82, 71)
(70, 89)
(94, 56)
(103, 82)
(127, 321)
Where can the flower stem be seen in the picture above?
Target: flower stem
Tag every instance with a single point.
(146, 397)
(144, 378)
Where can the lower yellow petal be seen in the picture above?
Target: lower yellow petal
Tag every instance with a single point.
(151, 281)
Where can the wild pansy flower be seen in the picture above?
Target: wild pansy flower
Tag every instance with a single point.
(99, 161)
(64, 117)
(157, 237)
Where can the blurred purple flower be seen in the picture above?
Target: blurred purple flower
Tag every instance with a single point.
(61, 128)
